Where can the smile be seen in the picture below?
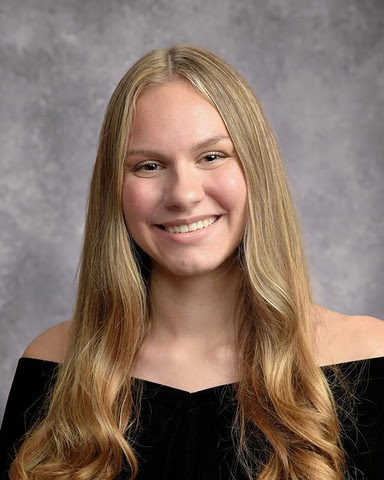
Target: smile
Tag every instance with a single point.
(192, 227)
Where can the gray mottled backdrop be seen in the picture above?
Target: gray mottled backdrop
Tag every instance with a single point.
(317, 67)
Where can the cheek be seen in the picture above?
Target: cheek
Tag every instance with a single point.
(231, 191)
(138, 204)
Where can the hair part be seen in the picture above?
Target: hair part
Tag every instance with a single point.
(283, 399)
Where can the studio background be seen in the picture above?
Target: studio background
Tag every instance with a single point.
(317, 67)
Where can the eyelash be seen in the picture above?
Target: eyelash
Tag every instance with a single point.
(215, 154)
(142, 165)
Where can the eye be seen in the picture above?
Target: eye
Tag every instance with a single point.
(147, 167)
(213, 157)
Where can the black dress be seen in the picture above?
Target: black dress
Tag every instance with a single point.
(186, 436)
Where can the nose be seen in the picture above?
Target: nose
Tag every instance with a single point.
(184, 189)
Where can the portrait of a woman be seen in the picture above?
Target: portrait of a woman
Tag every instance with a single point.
(196, 350)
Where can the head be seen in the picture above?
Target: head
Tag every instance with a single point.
(243, 118)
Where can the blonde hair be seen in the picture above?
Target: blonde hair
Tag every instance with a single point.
(282, 396)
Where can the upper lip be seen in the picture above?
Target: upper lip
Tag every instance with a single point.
(187, 221)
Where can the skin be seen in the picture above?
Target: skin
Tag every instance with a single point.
(175, 177)
(179, 176)
(181, 169)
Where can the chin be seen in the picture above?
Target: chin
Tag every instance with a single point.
(194, 268)
(185, 270)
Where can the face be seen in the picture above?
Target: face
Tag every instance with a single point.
(184, 194)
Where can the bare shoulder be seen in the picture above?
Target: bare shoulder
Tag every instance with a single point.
(50, 345)
(343, 338)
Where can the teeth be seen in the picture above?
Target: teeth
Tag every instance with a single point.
(192, 226)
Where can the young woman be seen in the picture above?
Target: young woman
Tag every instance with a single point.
(195, 349)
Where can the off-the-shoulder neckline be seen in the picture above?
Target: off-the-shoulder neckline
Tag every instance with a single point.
(168, 388)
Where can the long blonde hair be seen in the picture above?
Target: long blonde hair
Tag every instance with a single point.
(282, 395)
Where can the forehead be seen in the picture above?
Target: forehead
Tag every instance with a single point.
(174, 112)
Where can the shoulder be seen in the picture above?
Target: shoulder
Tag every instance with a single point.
(342, 338)
(51, 344)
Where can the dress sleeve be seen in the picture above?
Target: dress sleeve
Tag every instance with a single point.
(363, 430)
(32, 381)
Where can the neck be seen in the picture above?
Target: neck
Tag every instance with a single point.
(196, 312)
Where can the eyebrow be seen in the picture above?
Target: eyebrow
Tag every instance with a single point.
(197, 146)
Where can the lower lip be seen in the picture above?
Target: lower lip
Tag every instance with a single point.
(188, 237)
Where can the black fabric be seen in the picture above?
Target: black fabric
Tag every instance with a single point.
(187, 435)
